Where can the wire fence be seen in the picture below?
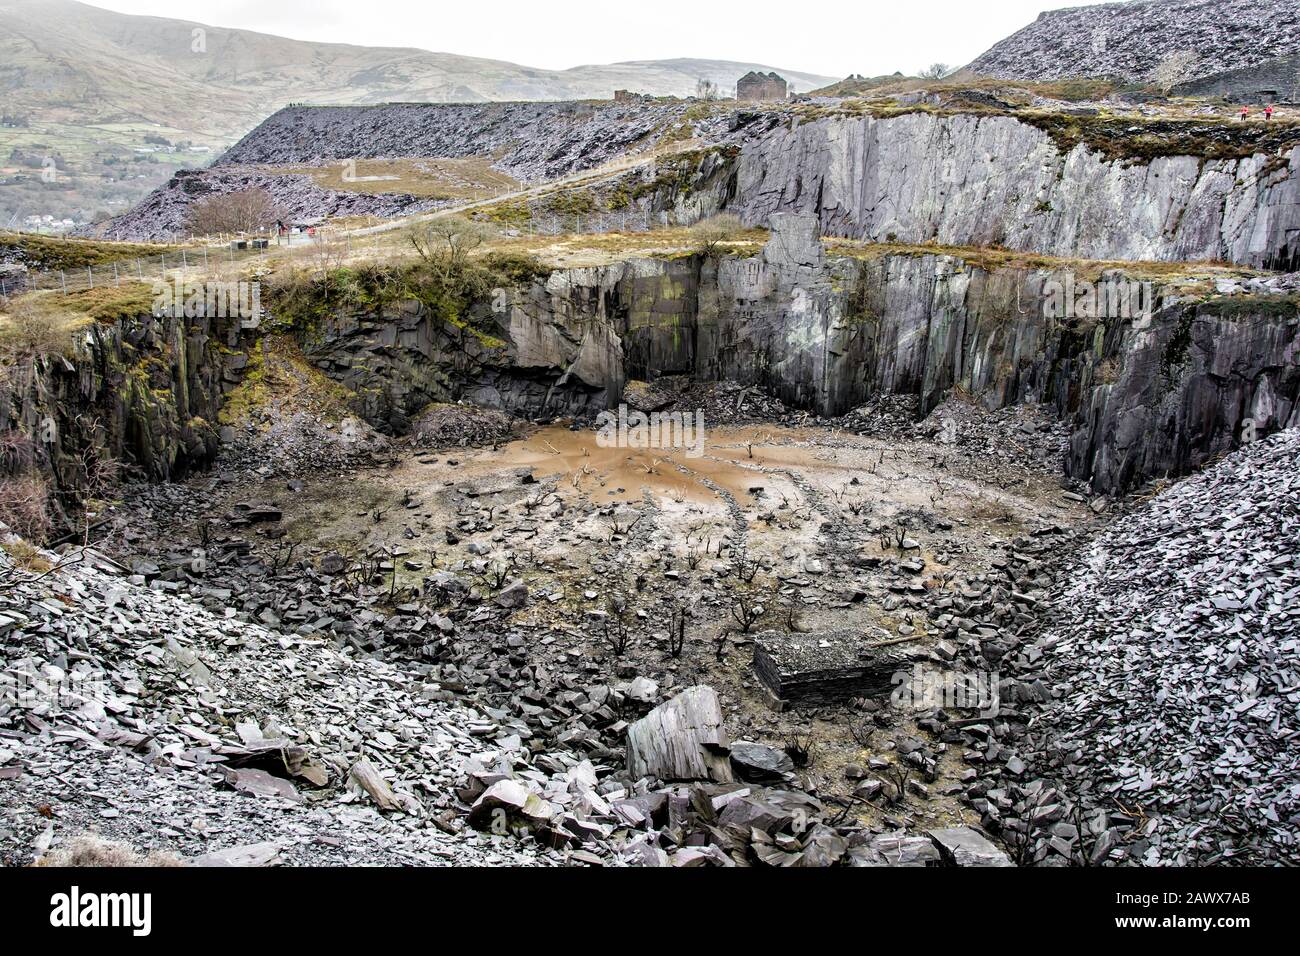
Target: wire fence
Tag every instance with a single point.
(184, 260)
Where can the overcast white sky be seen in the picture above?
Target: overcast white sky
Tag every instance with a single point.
(830, 38)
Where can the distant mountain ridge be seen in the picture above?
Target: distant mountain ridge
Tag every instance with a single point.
(70, 61)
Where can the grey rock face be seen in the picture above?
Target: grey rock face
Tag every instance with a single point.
(1146, 396)
(956, 179)
(144, 392)
(970, 180)
(1195, 384)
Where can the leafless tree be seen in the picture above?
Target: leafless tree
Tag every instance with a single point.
(242, 212)
(617, 625)
(677, 631)
(446, 241)
(746, 609)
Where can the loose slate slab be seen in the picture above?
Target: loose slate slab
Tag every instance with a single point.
(758, 763)
(962, 846)
(825, 668)
(253, 854)
(682, 739)
(367, 777)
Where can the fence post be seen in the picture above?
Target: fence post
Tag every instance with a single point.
(64, 281)
(91, 276)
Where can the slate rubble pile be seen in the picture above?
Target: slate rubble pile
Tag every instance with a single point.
(165, 211)
(1021, 434)
(1139, 37)
(548, 693)
(289, 708)
(135, 714)
(1174, 671)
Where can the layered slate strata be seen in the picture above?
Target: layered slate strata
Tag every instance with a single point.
(828, 667)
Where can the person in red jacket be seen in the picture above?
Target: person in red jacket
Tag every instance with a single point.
(1268, 112)
(1245, 111)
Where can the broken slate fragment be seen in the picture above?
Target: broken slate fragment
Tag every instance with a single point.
(682, 739)
(758, 763)
(962, 846)
(365, 776)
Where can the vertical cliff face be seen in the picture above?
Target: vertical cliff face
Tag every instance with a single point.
(1199, 381)
(971, 180)
(143, 393)
(1150, 393)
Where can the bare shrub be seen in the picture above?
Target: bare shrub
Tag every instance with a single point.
(799, 751)
(17, 452)
(25, 505)
(89, 849)
(617, 626)
(32, 330)
(708, 235)
(746, 609)
(248, 210)
(677, 631)
(446, 242)
(328, 250)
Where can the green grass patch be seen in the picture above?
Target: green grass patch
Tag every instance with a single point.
(51, 252)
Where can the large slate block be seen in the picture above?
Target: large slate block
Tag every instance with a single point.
(681, 739)
(826, 667)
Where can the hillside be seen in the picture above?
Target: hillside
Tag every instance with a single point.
(86, 86)
(1130, 41)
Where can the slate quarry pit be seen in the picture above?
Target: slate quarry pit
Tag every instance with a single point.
(847, 534)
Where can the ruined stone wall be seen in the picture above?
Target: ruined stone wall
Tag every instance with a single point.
(760, 86)
(1274, 81)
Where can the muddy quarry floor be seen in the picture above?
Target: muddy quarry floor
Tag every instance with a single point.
(545, 651)
(810, 518)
